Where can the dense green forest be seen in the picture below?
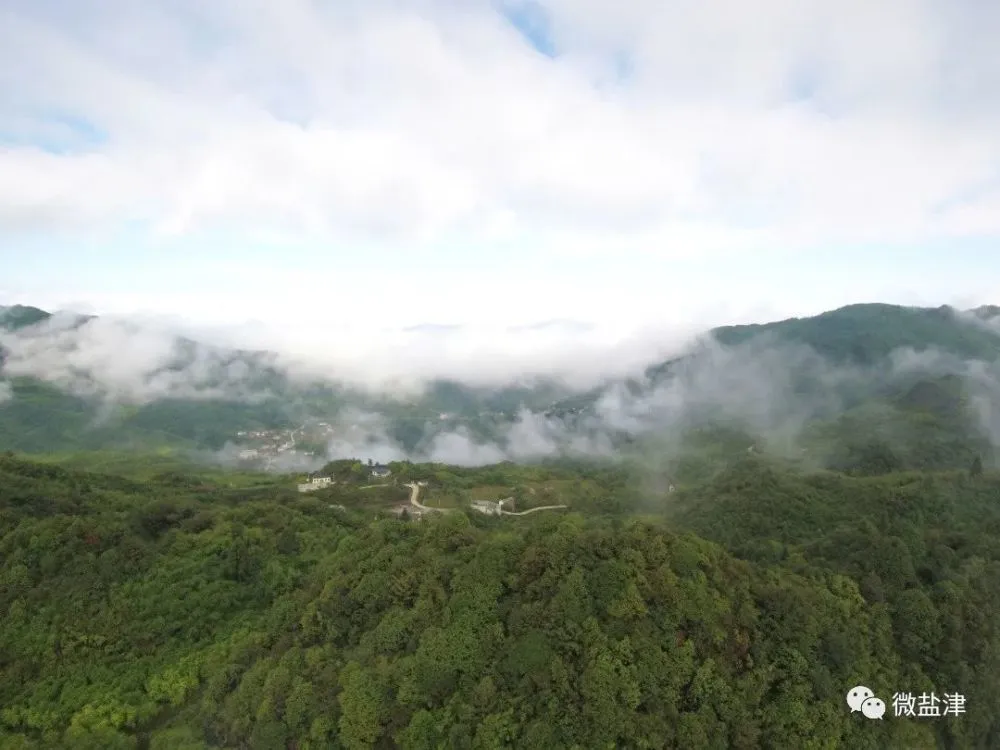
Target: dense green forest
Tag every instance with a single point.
(718, 584)
(867, 333)
(159, 608)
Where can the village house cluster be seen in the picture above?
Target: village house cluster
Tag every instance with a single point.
(375, 473)
(257, 445)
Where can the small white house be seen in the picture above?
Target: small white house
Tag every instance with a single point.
(249, 454)
(316, 483)
(380, 471)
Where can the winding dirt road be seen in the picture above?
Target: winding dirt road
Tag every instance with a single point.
(532, 510)
(415, 502)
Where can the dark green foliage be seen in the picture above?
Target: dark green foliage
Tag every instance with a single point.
(20, 316)
(922, 546)
(865, 334)
(42, 418)
(925, 421)
(164, 613)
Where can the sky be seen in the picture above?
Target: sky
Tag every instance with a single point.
(334, 173)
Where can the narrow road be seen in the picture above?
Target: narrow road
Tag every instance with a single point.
(529, 510)
(532, 510)
(415, 502)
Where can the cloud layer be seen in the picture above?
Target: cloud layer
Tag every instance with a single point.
(764, 387)
(142, 359)
(766, 390)
(674, 127)
(128, 362)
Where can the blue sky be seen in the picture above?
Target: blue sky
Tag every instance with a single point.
(485, 164)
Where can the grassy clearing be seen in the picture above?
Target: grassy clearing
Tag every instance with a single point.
(434, 498)
(552, 486)
(146, 466)
(489, 492)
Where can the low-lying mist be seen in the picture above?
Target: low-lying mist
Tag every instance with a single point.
(772, 391)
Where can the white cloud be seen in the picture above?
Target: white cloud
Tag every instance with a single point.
(141, 359)
(771, 390)
(460, 449)
(126, 361)
(432, 120)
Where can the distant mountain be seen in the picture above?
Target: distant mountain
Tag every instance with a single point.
(987, 312)
(19, 316)
(865, 334)
(203, 395)
(862, 386)
(860, 335)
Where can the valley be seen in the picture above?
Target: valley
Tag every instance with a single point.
(520, 375)
(712, 549)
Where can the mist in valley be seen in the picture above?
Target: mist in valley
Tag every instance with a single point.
(767, 393)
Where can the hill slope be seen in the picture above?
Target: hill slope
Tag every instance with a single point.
(866, 334)
(177, 612)
(919, 386)
(923, 382)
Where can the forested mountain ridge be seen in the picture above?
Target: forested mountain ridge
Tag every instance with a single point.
(864, 388)
(709, 586)
(194, 395)
(851, 374)
(183, 612)
(867, 333)
(863, 334)
(14, 317)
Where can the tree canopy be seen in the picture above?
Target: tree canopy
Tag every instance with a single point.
(735, 613)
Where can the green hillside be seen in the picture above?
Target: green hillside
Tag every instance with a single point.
(178, 610)
(20, 316)
(876, 419)
(41, 418)
(858, 411)
(866, 334)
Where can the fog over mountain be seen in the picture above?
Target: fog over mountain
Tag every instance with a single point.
(443, 396)
(130, 358)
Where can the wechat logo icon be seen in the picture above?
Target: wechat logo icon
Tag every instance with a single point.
(863, 699)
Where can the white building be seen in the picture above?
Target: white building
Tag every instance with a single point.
(379, 471)
(489, 507)
(248, 454)
(316, 483)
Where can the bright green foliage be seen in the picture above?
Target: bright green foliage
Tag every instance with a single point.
(167, 613)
